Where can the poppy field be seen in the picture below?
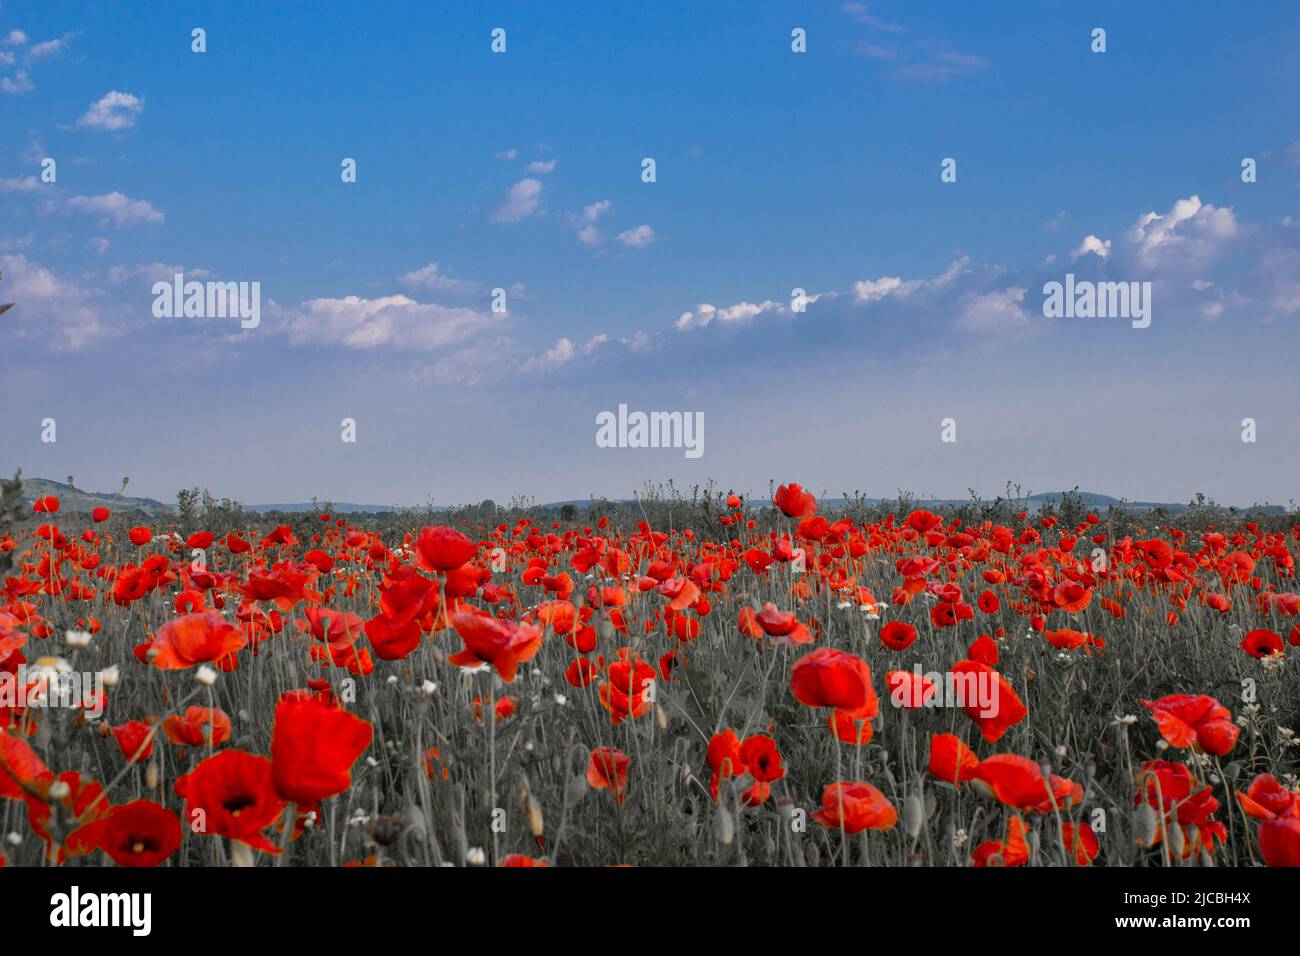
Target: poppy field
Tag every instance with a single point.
(724, 684)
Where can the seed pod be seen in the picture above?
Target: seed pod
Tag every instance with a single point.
(726, 826)
(913, 815)
(1177, 840)
(576, 790)
(534, 811)
(1145, 825)
(241, 854)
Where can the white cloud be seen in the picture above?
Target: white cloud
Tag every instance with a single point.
(1091, 244)
(25, 184)
(639, 342)
(873, 290)
(47, 48)
(859, 13)
(391, 322)
(113, 111)
(431, 278)
(562, 353)
(18, 84)
(115, 209)
(1188, 236)
(704, 314)
(993, 311)
(16, 38)
(945, 67)
(521, 202)
(507, 154)
(1279, 276)
(48, 305)
(585, 221)
(637, 238)
(538, 166)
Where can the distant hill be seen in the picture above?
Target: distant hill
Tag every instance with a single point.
(338, 507)
(74, 499)
(1091, 500)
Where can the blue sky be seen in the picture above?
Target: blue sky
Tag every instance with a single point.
(775, 170)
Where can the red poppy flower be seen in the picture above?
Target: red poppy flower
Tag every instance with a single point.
(230, 794)
(760, 755)
(443, 549)
(854, 807)
(334, 627)
(909, 690)
(99, 514)
(1279, 841)
(897, 635)
(1019, 783)
(1266, 799)
(199, 727)
(724, 758)
(781, 625)
(132, 737)
(853, 726)
(1086, 848)
(985, 650)
(794, 502)
(1013, 851)
(1197, 721)
(581, 672)
(313, 748)
(1262, 643)
(1066, 639)
(988, 699)
(832, 678)
(624, 693)
(607, 770)
(922, 521)
(192, 639)
(489, 640)
(1071, 596)
(951, 760)
(136, 834)
(20, 767)
(140, 536)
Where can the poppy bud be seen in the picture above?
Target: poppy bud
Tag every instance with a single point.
(576, 789)
(1144, 825)
(726, 827)
(1177, 840)
(913, 815)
